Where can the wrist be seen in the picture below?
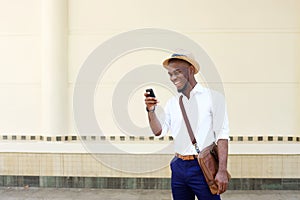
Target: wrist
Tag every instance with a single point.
(151, 110)
(222, 170)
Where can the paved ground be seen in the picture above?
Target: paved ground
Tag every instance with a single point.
(91, 194)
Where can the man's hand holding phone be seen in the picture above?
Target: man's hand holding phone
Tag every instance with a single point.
(150, 100)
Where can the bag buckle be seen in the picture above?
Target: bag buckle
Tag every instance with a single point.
(196, 148)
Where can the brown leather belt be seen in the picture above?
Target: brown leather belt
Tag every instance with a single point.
(187, 157)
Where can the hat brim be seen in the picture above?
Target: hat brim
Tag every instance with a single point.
(187, 59)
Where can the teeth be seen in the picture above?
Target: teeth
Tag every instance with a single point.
(176, 83)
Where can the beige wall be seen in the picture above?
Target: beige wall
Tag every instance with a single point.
(254, 44)
(20, 72)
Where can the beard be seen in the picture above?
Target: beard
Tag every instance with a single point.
(180, 90)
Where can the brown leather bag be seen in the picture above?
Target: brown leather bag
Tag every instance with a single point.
(209, 163)
(207, 158)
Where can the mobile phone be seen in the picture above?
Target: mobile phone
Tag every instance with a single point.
(151, 93)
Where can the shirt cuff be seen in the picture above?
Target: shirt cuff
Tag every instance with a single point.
(222, 135)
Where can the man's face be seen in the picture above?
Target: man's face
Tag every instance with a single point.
(179, 74)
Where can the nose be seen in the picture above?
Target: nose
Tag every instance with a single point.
(173, 77)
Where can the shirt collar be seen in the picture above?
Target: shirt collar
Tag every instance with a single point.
(197, 89)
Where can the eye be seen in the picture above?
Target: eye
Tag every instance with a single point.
(177, 72)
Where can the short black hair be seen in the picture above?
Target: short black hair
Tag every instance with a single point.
(177, 59)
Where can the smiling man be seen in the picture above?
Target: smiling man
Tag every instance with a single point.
(208, 118)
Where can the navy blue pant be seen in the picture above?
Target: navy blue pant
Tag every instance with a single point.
(188, 180)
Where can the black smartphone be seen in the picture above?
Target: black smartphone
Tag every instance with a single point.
(151, 93)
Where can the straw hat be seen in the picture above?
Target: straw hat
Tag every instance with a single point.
(186, 56)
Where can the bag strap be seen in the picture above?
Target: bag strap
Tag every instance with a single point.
(188, 125)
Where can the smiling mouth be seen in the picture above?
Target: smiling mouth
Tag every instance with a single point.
(177, 83)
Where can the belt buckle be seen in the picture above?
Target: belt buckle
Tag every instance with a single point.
(184, 157)
(187, 157)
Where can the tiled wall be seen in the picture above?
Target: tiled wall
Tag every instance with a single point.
(69, 162)
(85, 165)
(79, 169)
(72, 164)
(138, 183)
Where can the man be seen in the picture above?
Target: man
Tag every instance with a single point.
(207, 115)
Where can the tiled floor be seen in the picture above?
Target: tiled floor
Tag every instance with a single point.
(93, 194)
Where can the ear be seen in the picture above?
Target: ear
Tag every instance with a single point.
(192, 70)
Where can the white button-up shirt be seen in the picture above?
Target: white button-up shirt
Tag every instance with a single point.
(206, 111)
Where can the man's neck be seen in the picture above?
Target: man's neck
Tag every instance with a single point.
(188, 90)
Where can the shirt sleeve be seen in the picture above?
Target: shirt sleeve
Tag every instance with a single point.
(166, 121)
(220, 118)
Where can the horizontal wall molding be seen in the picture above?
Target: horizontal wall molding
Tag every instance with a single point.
(20, 84)
(109, 84)
(113, 32)
(12, 34)
(210, 82)
(142, 145)
(114, 138)
(82, 31)
(138, 183)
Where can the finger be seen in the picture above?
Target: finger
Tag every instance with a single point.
(222, 188)
(150, 104)
(219, 187)
(150, 97)
(219, 190)
(151, 100)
